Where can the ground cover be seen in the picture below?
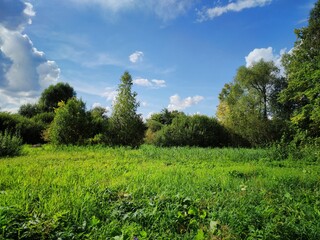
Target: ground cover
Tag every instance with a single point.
(158, 193)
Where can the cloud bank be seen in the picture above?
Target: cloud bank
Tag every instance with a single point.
(176, 103)
(24, 71)
(232, 6)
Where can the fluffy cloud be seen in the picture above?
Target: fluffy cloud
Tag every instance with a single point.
(154, 83)
(176, 103)
(267, 54)
(237, 6)
(135, 57)
(24, 71)
(15, 14)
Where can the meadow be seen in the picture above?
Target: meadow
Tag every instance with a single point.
(158, 193)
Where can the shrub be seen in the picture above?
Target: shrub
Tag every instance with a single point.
(70, 124)
(10, 144)
(30, 131)
(197, 130)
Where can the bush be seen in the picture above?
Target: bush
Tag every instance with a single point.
(10, 144)
(70, 124)
(197, 130)
(29, 130)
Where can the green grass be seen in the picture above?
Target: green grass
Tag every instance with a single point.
(157, 193)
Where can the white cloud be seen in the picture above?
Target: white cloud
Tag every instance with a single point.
(24, 71)
(154, 83)
(237, 6)
(110, 94)
(266, 54)
(135, 57)
(15, 14)
(142, 82)
(176, 103)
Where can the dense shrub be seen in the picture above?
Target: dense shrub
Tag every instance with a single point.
(10, 144)
(44, 118)
(70, 124)
(197, 130)
(30, 131)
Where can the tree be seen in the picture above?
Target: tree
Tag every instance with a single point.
(29, 110)
(245, 107)
(126, 126)
(302, 68)
(54, 94)
(70, 124)
(258, 80)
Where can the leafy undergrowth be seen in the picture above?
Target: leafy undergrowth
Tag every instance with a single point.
(157, 193)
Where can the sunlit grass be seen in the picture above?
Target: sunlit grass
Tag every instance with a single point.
(157, 193)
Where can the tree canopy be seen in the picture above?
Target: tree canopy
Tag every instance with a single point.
(302, 68)
(54, 94)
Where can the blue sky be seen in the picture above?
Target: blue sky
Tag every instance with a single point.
(179, 53)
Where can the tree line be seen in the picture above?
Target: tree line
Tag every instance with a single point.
(260, 106)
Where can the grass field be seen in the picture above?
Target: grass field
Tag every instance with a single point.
(157, 193)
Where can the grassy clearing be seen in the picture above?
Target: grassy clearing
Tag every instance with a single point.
(157, 193)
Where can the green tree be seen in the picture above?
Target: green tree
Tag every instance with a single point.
(29, 110)
(126, 126)
(245, 107)
(302, 68)
(70, 124)
(54, 94)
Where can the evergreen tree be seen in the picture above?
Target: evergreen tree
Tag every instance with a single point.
(126, 126)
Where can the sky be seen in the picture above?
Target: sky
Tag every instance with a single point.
(180, 53)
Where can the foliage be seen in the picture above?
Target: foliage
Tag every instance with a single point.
(99, 121)
(44, 118)
(96, 192)
(302, 67)
(29, 129)
(70, 124)
(54, 94)
(247, 107)
(197, 130)
(29, 110)
(10, 144)
(125, 125)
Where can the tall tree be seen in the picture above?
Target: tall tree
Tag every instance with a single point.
(245, 104)
(302, 67)
(126, 126)
(259, 80)
(54, 94)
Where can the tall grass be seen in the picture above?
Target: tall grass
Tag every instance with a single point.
(157, 193)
